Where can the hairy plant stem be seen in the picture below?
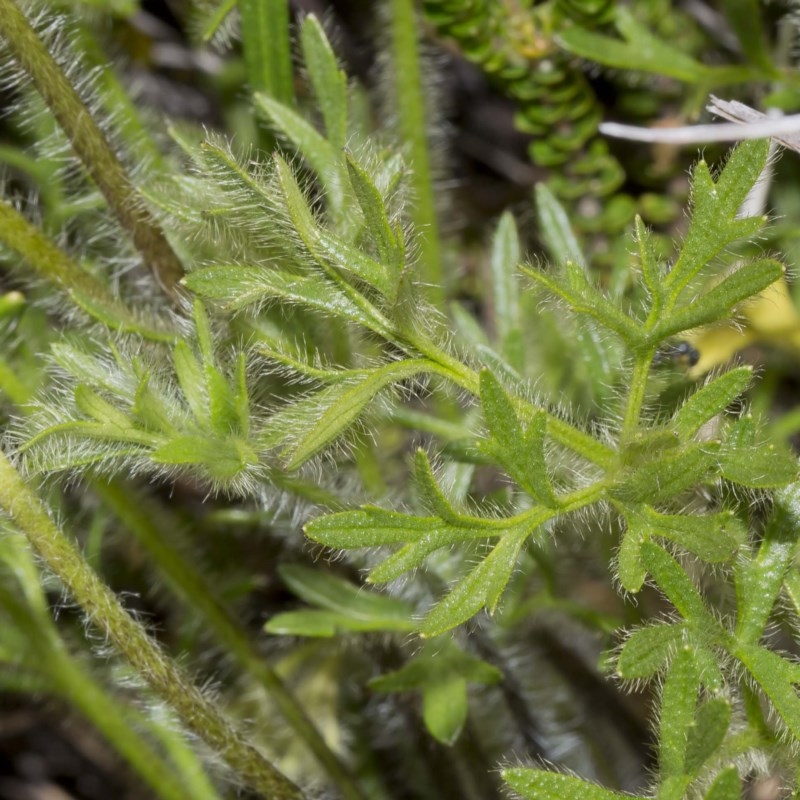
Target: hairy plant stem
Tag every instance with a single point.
(90, 144)
(65, 676)
(164, 677)
(636, 393)
(413, 124)
(106, 715)
(52, 264)
(141, 517)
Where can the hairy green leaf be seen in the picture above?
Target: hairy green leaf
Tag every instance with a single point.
(329, 82)
(777, 676)
(536, 784)
(678, 701)
(710, 400)
(705, 735)
(239, 287)
(314, 148)
(481, 587)
(668, 474)
(718, 302)
(647, 649)
(726, 786)
(389, 246)
(348, 402)
(327, 249)
(765, 466)
(678, 587)
(714, 223)
(572, 285)
(519, 451)
(759, 580)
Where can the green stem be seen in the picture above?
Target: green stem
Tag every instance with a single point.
(105, 714)
(413, 123)
(148, 523)
(162, 674)
(90, 145)
(636, 393)
(61, 673)
(52, 264)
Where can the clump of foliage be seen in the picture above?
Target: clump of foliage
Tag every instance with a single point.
(217, 347)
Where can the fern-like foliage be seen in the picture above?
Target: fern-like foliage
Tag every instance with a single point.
(308, 324)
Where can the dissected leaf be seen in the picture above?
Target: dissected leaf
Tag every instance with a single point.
(349, 401)
(390, 248)
(718, 302)
(715, 222)
(481, 587)
(766, 466)
(521, 452)
(677, 586)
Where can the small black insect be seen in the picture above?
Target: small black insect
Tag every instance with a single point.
(679, 353)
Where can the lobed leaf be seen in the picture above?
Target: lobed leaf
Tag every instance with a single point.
(239, 287)
(777, 677)
(678, 587)
(481, 587)
(572, 286)
(715, 207)
(520, 452)
(718, 302)
(652, 272)
(312, 146)
(765, 466)
(348, 401)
